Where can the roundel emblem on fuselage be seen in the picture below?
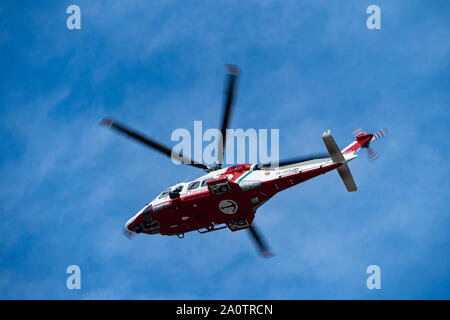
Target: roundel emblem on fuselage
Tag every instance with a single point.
(228, 206)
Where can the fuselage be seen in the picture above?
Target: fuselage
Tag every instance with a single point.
(227, 197)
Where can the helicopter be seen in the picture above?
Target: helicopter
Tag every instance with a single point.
(229, 197)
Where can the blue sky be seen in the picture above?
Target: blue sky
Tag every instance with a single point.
(68, 185)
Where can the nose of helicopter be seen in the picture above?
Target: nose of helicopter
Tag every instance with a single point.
(131, 226)
(128, 224)
(143, 215)
(128, 230)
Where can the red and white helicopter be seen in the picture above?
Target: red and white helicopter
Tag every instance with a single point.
(229, 197)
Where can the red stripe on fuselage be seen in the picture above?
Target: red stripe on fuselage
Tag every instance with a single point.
(201, 210)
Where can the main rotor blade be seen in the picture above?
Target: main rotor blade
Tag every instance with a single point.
(260, 243)
(282, 163)
(233, 72)
(150, 142)
(127, 233)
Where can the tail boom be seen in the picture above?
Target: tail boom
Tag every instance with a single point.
(362, 140)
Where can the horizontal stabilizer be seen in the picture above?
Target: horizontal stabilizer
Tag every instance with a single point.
(337, 157)
(347, 178)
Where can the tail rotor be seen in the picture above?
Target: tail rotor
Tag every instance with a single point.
(357, 131)
(380, 134)
(371, 153)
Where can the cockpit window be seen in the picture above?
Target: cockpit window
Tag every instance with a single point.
(204, 182)
(178, 189)
(193, 185)
(164, 193)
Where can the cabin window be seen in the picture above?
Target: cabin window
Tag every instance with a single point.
(164, 194)
(193, 185)
(204, 182)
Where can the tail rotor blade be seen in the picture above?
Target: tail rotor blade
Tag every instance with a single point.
(260, 243)
(357, 131)
(372, 155)
(380, 134)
